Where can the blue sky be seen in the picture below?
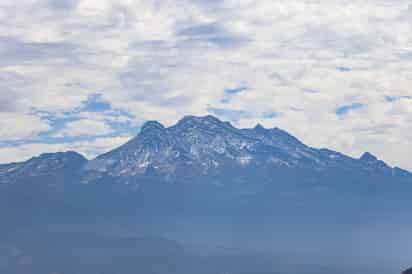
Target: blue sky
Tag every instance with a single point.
(85, 74)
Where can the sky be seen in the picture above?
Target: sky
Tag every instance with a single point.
(85, 75)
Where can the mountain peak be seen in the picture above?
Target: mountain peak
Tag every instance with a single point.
(207, 120)
(152, 125)
(59, 156)
(259, 127)
(368, 157)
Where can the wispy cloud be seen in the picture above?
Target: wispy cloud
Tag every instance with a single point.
(235, 90)
(212, 34)
(344, 69)
(19, 52)
(271, 114)
(391, 99)
(63, 4)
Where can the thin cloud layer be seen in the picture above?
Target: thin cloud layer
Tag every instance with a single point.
(334, 73)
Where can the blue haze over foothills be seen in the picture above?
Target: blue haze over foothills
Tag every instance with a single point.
(192, 136)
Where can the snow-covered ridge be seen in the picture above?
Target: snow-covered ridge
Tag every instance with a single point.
(200, 145)
(205, 143)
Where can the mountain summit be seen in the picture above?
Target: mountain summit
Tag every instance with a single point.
(368, 157)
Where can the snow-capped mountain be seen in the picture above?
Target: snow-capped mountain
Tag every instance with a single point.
(206, 144)
(202, 146)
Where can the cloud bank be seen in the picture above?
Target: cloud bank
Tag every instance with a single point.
(85, 74)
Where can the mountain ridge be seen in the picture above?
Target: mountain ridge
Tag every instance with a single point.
(204, 144)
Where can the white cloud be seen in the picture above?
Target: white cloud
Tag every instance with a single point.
(89, 149)
(163, 60)
(84, 127)
(14, 126)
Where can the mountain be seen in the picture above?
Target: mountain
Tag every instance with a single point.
(205, 145)
(201, 155)
(223, 196)
(61, 165)
(202, 159)
(201, 146)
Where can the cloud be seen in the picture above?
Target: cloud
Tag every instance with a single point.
(17, 52)
(63, 4)
(119, 63)
(271, 115)
(229, 114)
(391, 99)
(14, 126)
(235, 90)
(213, 34)
(344, 69)
(84, 127)
(89, 149)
